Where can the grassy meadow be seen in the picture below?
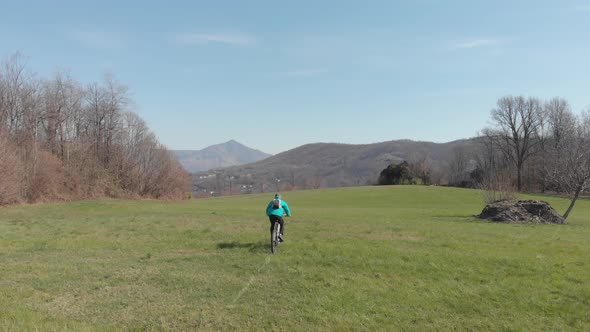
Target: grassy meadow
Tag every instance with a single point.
(365, 258)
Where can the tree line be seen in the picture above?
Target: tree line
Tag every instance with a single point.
(541, 146)
(61, 140)
(531, 145)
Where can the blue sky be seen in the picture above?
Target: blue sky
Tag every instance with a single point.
(275, 74)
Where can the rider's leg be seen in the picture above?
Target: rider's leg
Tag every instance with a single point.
(281, 221)
(272, 223)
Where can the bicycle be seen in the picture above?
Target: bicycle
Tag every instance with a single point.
(274, 237)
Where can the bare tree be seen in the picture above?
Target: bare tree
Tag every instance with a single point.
(560, 120)
(487, 156)
(20, 115)
(458, 165)
(515, 124)
(570, 172)
(420, 166)
(14, 77)
(60, 106)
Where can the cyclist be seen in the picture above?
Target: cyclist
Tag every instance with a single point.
(275, 211)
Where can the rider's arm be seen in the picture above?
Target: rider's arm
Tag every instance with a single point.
(269, 208)
(286, 208)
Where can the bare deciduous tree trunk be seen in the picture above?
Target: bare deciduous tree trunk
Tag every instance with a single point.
(572, 203)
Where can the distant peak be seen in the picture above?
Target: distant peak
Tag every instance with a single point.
(233, 144)
(225, 154)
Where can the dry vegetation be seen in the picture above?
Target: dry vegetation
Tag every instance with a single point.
(61, 140)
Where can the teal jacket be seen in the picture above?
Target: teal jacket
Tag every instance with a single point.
(270, 210)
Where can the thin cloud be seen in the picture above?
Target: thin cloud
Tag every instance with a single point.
(189, 39)
(582, 8)
(304, 72)
(97, 39)
(475, 43)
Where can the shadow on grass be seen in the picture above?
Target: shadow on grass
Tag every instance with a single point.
(260, 246)
(473, 218)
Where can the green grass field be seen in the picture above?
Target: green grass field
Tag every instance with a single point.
(370, 258)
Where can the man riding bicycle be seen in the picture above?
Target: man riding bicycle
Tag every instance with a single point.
(275, 211)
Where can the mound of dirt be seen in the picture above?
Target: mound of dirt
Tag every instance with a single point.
(523, 211)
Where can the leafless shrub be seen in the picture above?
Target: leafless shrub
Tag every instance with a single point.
(49, 181)
(498, 187)
(315, 182)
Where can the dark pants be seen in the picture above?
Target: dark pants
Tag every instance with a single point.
(278, 219)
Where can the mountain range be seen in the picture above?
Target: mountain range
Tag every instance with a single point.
(327, 165)
(230, 153)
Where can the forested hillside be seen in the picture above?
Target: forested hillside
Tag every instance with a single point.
(61, 140)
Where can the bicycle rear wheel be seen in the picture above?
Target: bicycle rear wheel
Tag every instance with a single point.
(274, 238)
